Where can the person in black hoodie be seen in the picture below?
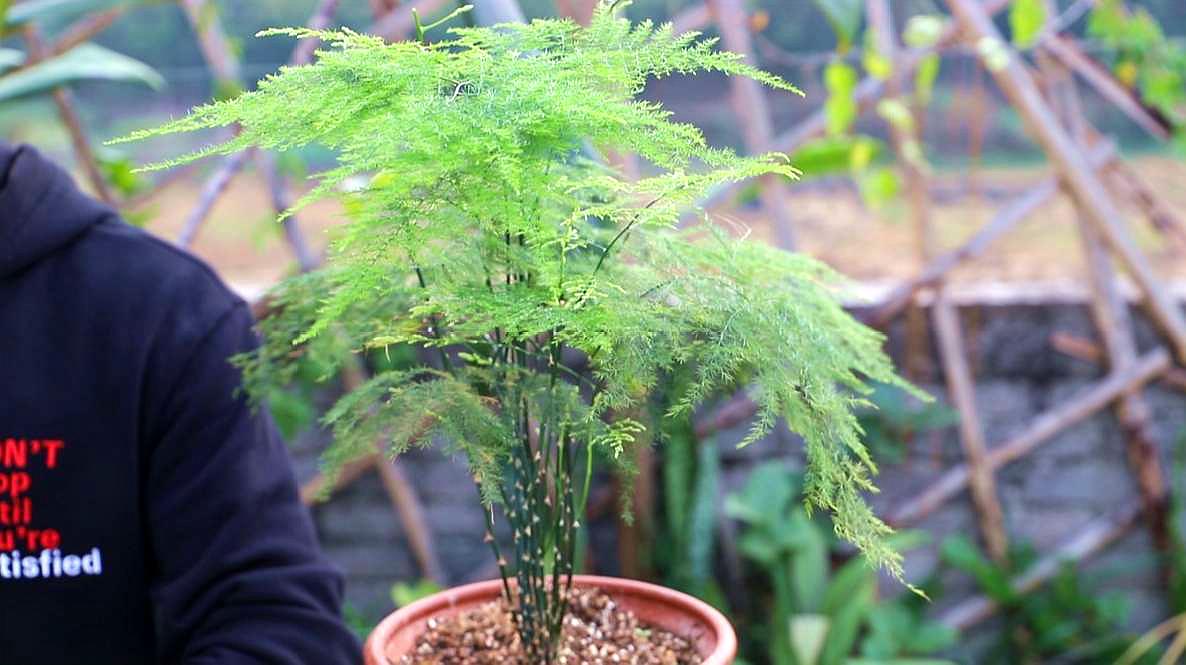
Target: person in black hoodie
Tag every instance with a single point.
(147, 514)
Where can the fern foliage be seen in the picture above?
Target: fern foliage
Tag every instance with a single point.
(490, 231)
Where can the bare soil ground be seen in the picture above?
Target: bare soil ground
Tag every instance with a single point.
(243, 242)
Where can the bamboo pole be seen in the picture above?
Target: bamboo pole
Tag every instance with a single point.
(979, 469)
(64, 101)
(1159, 213)
(212, 190)
(695, 17)
(1071, 162)
(960, 383)
(214, 46)
(1148, 367)
(902, 138)
(1067, 52)
(751, 106)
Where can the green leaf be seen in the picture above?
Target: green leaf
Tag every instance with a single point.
(808, 632)
(765, 496)
(703, 517)
(809, 565)
(841, 108)
(847, 620)
(879, 187)
(405, 593)
(831, 155)
(84, 62)
(1026, 20)
(961, 553)
(854, 580)
(923, 31)
(845, 18)
(897, 113)
(898, 662)
(924, 80)
(878, 66)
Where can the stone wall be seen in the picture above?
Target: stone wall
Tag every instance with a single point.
(1048, 497)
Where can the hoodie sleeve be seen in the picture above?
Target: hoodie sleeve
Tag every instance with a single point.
(239, 578)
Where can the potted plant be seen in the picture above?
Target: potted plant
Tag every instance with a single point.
(552, 293)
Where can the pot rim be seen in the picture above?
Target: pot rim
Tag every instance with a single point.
(722, 654)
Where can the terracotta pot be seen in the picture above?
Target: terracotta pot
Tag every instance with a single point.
(654, 605)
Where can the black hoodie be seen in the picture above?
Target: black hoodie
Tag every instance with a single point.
(146, 514)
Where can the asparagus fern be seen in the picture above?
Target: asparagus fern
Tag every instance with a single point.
(491, 235)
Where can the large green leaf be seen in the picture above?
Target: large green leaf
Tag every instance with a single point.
(702, 527)
(808, 632)
(765, 496)
(809, 566)
(84, 62)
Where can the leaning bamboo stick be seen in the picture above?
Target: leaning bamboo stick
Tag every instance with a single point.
(411, 514)
(320, 487)
(917, 359)
(1089, 541)
(979, 469)
(696, 17)
(214, 46)
(212, 190)
(1115, 326)
(1069, 159)
(1070, 55)
(751, 106)
(1148, 367)
(1005, 220)
(64, 100)
(1088, 351)
(1159, 212)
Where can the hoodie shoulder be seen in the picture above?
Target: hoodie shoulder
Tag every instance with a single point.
(136, 265)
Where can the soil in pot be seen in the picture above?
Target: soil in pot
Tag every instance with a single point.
(596, 632)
